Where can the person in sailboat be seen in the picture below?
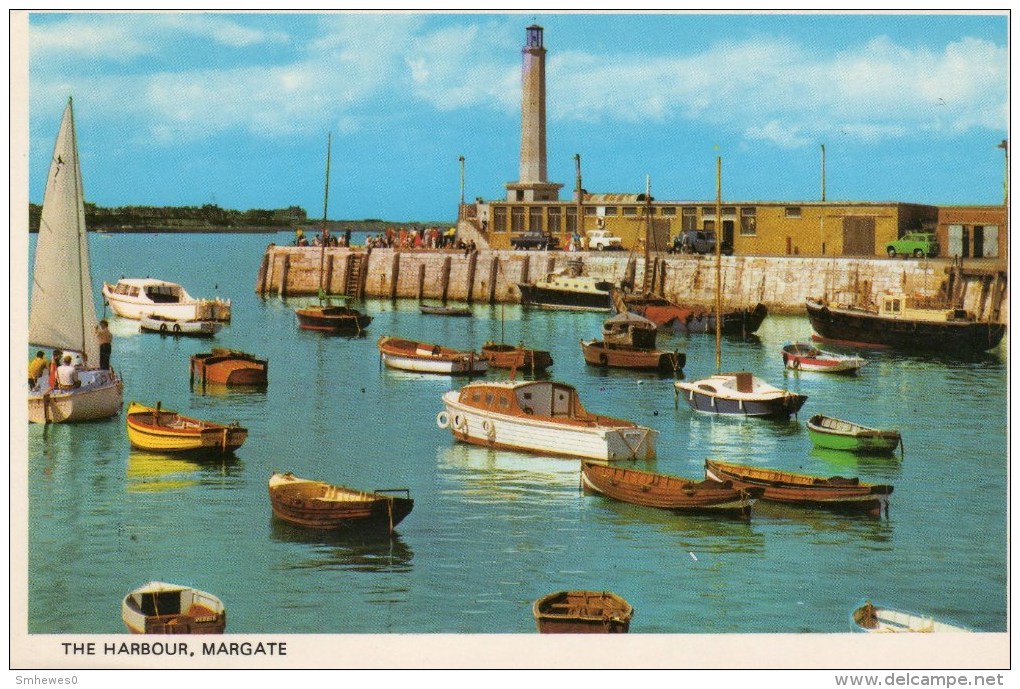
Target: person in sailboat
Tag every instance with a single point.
(105, 338)
(54, 365)
(67, 375)
(36, 367)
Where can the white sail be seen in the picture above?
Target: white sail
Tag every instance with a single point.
(63, 314)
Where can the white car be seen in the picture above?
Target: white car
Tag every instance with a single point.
(601, 240)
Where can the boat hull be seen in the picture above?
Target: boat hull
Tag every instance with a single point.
(548, 298)
(327, 320)
(836, 434)
(834, 493)
(196, 309)
(667, 492)
(780, 407)
(870, 619)
(954, 337)
(582, 612)
(683, 320)
(154, 430)
(229, 368)
(320, 506)
(101, 396)
(623, 356)
(180, 328)
(545, 436)
(420, 357)
(509, 356)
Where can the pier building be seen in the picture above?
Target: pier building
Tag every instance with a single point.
(753, 228)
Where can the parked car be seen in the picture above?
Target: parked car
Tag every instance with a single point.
(535, 240)
(698, 242)
(918, 244)
(602, 240)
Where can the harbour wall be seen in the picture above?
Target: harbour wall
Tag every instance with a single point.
(782, 283)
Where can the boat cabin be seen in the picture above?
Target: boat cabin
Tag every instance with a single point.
(630, 329)
(540, 398)
(904, 306)
(157, 291)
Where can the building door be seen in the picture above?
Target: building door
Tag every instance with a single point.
(859, 236)
(727, 231)
(955, 240)
(979, 241)
(991, 241)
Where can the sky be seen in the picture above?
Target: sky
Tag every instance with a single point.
(187, 109)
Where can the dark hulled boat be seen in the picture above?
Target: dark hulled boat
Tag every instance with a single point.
(895, 323)
(610, 355)
(516, 356)
(739, 394)
(568, 289)
(689, 318)
(334, 319)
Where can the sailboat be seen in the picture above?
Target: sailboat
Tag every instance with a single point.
(739, 393)
(325, 316)
(63, 313)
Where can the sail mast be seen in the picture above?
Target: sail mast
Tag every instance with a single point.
(325, 207)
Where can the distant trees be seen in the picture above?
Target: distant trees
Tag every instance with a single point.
(180, 218)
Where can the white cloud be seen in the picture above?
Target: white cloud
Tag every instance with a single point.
(774, 132)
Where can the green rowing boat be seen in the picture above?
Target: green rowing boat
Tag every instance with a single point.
(837, 434)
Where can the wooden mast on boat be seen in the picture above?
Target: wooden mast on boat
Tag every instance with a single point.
(325, 229)
(579, 222)
(718, 263)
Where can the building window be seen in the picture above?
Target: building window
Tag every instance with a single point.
(668, 210)
(630, 210)
(554, 220)
(709, 225)
(708, 211)
(690, 218)
(793, 211)
(590, 210)
(498, 219)
(517, 219)
(610, 210)
(730, 211)
(748, 222)
(571, 220)
(535, 219)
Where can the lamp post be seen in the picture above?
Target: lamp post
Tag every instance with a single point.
(461, 159)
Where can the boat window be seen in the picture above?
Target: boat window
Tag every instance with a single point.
(134, 292)
(476, 396)
(503, 401)
(894, 305)
(706, 388)
(488, 398)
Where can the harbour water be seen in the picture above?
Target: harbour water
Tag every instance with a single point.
(492, 531)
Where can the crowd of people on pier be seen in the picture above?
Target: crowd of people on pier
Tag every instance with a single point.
(392, 238)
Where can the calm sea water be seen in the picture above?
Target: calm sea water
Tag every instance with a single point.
(492, 531)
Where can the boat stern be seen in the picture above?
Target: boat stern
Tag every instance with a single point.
(632, 443)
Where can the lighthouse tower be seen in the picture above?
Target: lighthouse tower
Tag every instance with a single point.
(533, 185)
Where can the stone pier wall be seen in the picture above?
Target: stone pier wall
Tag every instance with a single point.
(491, 276)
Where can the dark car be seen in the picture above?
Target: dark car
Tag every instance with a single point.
(535, 240)
(698, 242)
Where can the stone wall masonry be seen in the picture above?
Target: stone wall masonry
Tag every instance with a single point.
(491, 276)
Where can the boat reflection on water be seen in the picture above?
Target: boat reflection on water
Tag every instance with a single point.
(824, 527)
(149, 472)
(348, 550)
(497, 476)
(736, 438)
(874, 466)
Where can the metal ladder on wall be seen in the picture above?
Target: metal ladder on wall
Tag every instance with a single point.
(355, 282)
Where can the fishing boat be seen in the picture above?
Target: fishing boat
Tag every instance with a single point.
(229, 367)
(836, 492)
(157, 430)
(836, 434)
(136, 297)
(568, 289)
(161, 608)
(516, 357)
(900, 323)
(684, 319)
(152, 323)
(739, 394)
(608, 355)
(543, 417)
(868, 618)
(668, 492)
(325, 316)
(318, 505)
(455, 311)
(798, 356)
(423, 357)
(63, 313)
(582, 612)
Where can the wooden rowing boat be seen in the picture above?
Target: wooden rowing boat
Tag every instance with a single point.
(229, 367)
(837, 434)
(332, 319)
(609, 355)
(424, 357)
(319, 505)
(516, 356)
(158, 430)
(161, 608)
(798, 356)
(836, 492)
(459, 312)
(582, 612)
(668, 492)
(868, 618)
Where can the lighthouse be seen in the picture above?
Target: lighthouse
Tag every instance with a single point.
(533, 184)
